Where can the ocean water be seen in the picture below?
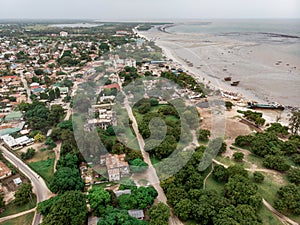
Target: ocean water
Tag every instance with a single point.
(272, 31)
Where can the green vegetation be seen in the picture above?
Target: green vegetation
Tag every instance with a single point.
(68, 208)
(159, 214)
(256, 117)
(25, 220)
(66, 179)
(13, 208)
(28, 154)
(44, 168)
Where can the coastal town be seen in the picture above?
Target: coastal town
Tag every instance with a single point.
(60, 87)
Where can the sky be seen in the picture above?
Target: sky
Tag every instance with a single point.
(148, 9)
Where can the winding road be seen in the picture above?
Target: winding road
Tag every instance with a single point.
(39, 186)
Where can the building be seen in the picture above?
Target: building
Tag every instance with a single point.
(116, 166)
(139, 214)
(118, 193)
(17, 181)
(20, 142)
(4, 171)
(63, 34)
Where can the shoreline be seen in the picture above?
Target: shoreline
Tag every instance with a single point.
(265, 71)
(214, 82)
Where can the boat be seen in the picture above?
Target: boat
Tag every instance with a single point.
(235, 83)
(227, 78)
(273, 105)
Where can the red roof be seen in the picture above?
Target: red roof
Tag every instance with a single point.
(110, 86)
(8, 77)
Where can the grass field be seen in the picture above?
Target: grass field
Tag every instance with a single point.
(24, 220)
(267, 217)
(44, 168)
(11, 208)
(212, 184)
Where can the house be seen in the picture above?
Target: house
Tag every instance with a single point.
(20, 142)
(116, 166)
(17, 181)
(4, 171)
(139, 214)
(63, 34)
(122, 192)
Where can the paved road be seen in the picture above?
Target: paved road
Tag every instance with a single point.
(39, 186)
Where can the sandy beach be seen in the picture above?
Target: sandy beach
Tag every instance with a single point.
(267, 73)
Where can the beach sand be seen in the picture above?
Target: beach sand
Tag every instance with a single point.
(267, 73)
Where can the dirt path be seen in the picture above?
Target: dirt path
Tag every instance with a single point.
(24, 81)
(150, 174)
(16, 215)
(281, 217)
(204, 182)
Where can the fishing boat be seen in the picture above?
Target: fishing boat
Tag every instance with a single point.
(235, 83)
(273, 105)
(227, 78)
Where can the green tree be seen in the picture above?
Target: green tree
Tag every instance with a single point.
(69, 208)
(295, 122)
(228, 105)
(39, 137)
(99, 199)
(204, 135)
(138, 165)
(258, 177)
(294, 175)
(159, 214)
(276, 162)
(66, 179)
(23, 194)
(288, 201)
(57, 93)
(183, 209)
(220, 173)
(51, 95)
(28, 154)
(238, 156)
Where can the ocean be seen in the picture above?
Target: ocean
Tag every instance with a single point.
(264, 55)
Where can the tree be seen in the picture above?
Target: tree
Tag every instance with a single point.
(228, 105)
(119, 217)
(183, 209)
(288, 200)
(159, 214)
(204, 135)
(276, 162)
(57, 93)
(23, 194)
(69, 208)
(138, 165)
(51, 95)
(258, 177)
(239, 190)
(66, 179)
(39, 137)
(294, 176)
(220, 173)
(295, 122)
(28, 155)
(99, 199)
(238, 156)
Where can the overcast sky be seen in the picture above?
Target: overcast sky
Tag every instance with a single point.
(148, 9)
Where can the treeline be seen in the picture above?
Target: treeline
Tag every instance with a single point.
(276, 152)
(238, 204)
(185, 81)
(39, 117)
